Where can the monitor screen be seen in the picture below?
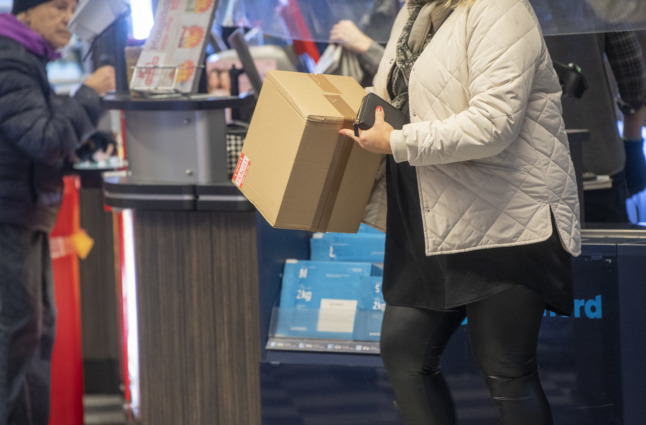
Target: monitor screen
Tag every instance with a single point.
(238, 42)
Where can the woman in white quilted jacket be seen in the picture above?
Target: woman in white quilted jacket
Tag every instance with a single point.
(482, 210)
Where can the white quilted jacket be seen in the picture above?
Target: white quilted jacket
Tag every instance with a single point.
(486, 133)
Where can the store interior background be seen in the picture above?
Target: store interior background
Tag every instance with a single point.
(102, 336)
(66, 73)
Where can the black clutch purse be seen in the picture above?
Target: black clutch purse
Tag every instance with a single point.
(366, 115)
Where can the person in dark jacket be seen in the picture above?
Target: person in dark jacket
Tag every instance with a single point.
(38, 133)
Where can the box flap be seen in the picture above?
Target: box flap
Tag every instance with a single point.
(330, 98)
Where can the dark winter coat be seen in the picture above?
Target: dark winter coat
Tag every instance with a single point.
(38, 132)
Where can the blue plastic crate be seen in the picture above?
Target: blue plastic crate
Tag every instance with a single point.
(370, 309)
(348, 247)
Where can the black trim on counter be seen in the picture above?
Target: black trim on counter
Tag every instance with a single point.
(173, 102)
(222, 197)
(123, 191)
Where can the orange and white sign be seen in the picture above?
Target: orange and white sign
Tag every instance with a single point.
(241, 170)
(201, 6)
(185, 71)
(191, 37)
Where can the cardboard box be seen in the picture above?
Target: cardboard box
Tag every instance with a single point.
(343, 247)
(364, 228)
(319, 299)
(370, 309)
(294, 167)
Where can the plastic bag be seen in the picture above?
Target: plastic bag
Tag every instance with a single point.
(338, 61)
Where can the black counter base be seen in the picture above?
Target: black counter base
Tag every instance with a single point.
(123, 191)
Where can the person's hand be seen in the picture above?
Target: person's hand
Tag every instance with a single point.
(102, 155)
(345, 33)
(102, 80)
(98, 147)
(375, 139)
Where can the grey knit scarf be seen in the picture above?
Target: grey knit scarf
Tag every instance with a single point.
(425, 18)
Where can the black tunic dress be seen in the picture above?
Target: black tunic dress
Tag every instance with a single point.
(446, 281)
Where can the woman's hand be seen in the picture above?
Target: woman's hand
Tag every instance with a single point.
(345, 33)
(375, 139)
(102, 80)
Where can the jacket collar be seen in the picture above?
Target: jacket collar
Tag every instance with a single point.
(12, 28)
(439, 15)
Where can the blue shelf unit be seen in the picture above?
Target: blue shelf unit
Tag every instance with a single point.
(591, 363)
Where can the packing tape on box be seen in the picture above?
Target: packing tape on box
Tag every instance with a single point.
(341, 155)
(335, 99)
(332, 182)
(324, 83)
(341, 106)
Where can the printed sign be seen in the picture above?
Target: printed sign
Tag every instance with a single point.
(174, 51)
(241, 170)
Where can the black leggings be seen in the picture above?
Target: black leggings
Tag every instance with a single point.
(503, 330)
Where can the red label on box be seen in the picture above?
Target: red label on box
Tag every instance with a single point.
(241, 170)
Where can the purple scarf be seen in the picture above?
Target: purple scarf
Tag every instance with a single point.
(12, 28)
